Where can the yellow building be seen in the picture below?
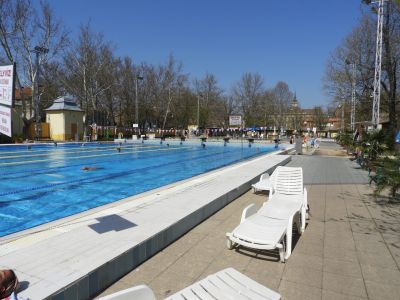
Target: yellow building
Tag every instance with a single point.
(66, 119)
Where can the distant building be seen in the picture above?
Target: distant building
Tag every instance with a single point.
(299, 119)
(66, 119)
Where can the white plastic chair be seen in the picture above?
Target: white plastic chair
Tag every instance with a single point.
(264, 184)
(226, 284)
(267, 228)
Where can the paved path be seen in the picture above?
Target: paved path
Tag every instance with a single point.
(350, 249)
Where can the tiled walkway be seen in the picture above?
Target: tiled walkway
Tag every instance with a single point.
(350, 249)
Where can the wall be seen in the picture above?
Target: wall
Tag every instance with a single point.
(57, 125)
(73, 117)
(60, 124)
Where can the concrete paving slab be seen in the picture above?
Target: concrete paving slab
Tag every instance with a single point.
(382, 291)
(346, 285)
(293, 290)
(329, 295)
(342, 267)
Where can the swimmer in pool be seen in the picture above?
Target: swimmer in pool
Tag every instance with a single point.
(88, 168)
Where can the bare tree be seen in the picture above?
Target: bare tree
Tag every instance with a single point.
(247, 94)
(282, 97)
(319, 117)
(89, 72)
(359, 47)
(22, 27)
(210, 99)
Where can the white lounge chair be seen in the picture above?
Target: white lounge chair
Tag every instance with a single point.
(225, 284)
(264, 184)
(267, 228)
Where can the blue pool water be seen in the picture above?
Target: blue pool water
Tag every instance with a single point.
(46, 183)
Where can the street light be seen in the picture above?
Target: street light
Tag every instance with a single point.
(38, 50)
(341, 106)
(198, 109)
(138, 77)
(353, 94)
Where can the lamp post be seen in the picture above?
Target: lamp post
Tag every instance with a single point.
(353, 95)
(198, 110)
(342, 117)
(38, 50)
(136, 101)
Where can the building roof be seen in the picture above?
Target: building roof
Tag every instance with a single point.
(27, 91)
(64, 103)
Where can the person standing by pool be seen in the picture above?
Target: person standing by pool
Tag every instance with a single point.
(276, 142)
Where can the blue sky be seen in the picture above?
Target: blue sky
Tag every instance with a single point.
(282, 40)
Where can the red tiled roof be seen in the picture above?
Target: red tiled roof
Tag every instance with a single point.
(27, 93)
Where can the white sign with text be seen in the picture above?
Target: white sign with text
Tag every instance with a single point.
(5, 120)
(235, 120)
(6, 85)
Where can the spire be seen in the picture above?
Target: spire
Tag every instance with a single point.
(295, 103)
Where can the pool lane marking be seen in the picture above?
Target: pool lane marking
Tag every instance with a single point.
(61, 165)
(49, 149)
(78, 146)
(78, 150)
(87, 156)
(97, 178)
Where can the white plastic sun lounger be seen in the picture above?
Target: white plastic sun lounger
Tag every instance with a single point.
(267, 228)
(225, 284)
(264, 184)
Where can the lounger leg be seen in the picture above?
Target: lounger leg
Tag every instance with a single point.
(289, 238)
(306, 204)
(281, 249)
(299, 222)
(229, 243)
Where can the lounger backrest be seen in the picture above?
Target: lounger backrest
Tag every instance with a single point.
(264, 176)
(288, 180)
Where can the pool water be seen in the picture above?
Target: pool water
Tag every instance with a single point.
(46, 183)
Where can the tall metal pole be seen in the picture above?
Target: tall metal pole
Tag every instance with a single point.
(198, 111)
(342, 125)
(37, 106)
(38, 50)
(378, 65)
(137, 101)
(353, 98)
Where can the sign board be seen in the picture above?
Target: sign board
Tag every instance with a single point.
(135, 125)
(5, 120)
(7, 79)
(235, 120)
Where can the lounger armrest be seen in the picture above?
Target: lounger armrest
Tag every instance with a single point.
(248, 211)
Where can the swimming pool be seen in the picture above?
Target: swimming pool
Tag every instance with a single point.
(43, 183)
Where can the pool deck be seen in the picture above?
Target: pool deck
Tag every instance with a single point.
(350, 249)
(80, 256)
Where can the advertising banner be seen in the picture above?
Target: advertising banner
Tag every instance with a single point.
(7, 78)
(5, 120)
(235, 120)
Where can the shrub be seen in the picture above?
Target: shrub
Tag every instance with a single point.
(389, 176)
